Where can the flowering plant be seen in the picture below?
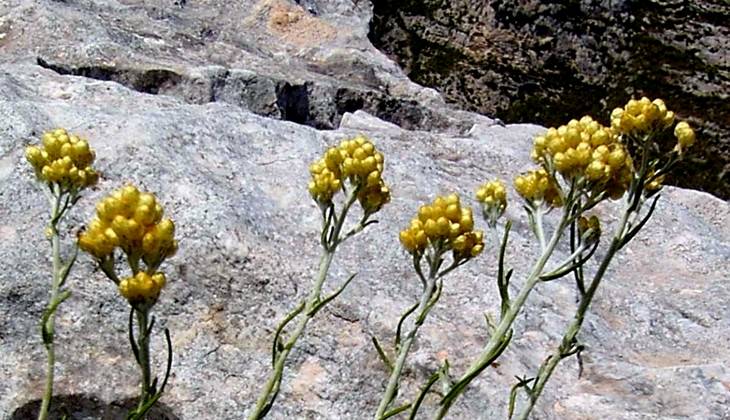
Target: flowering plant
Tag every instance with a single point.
(133, 221)
(62, 164)
(355, 168)
(580, 165)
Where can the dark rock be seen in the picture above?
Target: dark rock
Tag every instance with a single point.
(548, 62)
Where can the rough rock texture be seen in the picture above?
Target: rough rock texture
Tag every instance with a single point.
(547, 62)
(270, 57)
(235, 183)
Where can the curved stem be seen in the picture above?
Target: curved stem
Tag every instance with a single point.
(271, 387)
(496, 343)
(405, 346)
(567, 344)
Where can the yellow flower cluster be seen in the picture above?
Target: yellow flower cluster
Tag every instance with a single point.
(538, 186)
(131, 220)
(587, 149)
(445, 224)
(354, 159)
(142, 287)
(642, 116)
(493, 196)
(63, 158)
(647, 117)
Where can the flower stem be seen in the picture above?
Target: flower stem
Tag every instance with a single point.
(312, 305)
(404, 348)
(48, 319)
(143, 344)
(495, 345)
(271, 388)
(567, 344)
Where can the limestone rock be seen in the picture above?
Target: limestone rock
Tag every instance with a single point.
(233, 173)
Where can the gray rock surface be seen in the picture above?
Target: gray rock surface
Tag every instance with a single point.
(231, 169)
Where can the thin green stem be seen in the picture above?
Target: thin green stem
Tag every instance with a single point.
(539, 229)
(496, 343)
(271, 388)
(405, 345)
(329, 244)
(143, 346)
(567, 344)
(48, 319)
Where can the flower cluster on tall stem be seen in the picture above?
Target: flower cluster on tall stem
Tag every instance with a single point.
(355, 168)
(62, 164)
(133, 222)
(440, 228)
(642, 126)
(581, 164)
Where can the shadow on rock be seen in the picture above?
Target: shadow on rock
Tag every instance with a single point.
(88, 407)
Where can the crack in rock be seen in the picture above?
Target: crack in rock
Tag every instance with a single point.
(316, 104)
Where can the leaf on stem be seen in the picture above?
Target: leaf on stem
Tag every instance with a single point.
(66, 269)
(395, 411)
(417, 267)
(132, 341)
(432, 301)
(422, 395)
(633, 231)
(399, 328)
(564, 270)
(521, 383)
(47, 333)
(329, 298)
(383, 357)
(169, 360)
(277, 346)
(575, 241)
(148, 329)
(502, 279)
(459, 387)
(490, 322)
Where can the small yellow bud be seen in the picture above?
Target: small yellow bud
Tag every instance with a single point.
(407, 240)
(453, 212)
(34, 156)
(431, 229)
(617, 157)
(443, 225)
(684, 134)
(596, 170)
(424, 213)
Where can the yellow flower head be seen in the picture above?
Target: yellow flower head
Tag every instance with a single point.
(131, 220)
(537, 186)
(585, 149)
(142, 287)
(685, 136)
(64, 159)
(642, 116)
(444, 224)
(325, 183)
(493, 196)
(355, 160)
